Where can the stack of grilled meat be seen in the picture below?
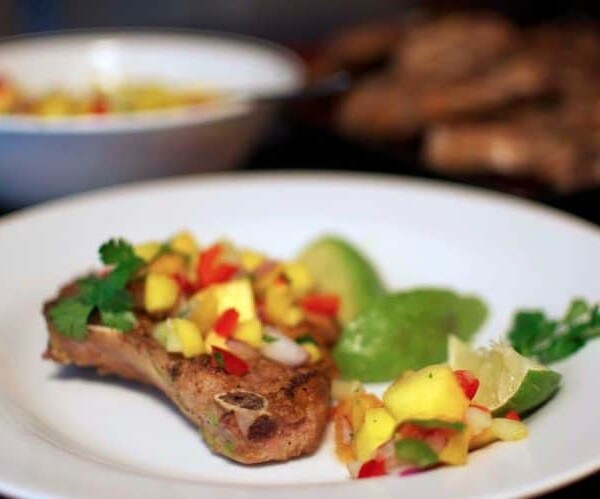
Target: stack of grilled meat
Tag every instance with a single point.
(483, 94)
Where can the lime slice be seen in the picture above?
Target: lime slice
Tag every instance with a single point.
(507, 380)
(339, 268)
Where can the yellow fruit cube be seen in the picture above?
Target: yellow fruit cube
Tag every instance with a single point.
(169, 264)
(299, 277)
(213, 339)
(377, 428)
(184, 242)
(482, 439)
(456, 450)
(345, 389)
(359, 406)
(160, 293)
(204, 309)
(508, 429)
(430, 393)
(279, 306)
(147, 251)
(189, 336)
(249, 331)
(314, 352)
(251, 260)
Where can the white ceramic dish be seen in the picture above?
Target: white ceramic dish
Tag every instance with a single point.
(42, 159)
(72, 434)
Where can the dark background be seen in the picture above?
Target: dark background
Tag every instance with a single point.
(293, 143)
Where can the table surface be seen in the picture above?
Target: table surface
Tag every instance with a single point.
(293, 145)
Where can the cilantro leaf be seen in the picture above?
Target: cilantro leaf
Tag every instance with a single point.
(107, 294)
(119, 252)
(70, 317)
(123, 321)
(534, 335)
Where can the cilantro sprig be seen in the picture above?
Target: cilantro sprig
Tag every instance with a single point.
(107, 294)
(533, 334)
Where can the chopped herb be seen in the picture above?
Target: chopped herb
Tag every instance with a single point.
(306, 338)
(123, 321)
(533, 334)
(415, 452)
(106, 294)
(269, 339)
(218, 356)
(70, 317)
(431, 424)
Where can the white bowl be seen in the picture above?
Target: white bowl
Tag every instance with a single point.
(42, 159)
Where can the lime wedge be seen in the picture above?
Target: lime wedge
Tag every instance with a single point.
(507, 380)
(339, 268)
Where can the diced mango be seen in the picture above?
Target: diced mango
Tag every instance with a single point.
(214, 339)
(482, 439)
(250, 332)
(189, 336)
(508, 429)
(314, 352)
(169, 264)
(279, 306)
(343, 433)
(147, 251)
(377, 428)
(251, 260)
(161, 293)
(185, 243)
(430, 393)
(209, 303)
(359, 406)
(299, 277)
(456, 450)
(344, 389)
(204, 309)
(267, 279)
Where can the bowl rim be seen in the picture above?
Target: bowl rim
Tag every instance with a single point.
(205, 114)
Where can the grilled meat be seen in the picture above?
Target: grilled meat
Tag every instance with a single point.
(272, 413)
(382, 108)
(452, 48)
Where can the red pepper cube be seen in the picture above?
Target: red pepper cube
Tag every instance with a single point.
(467, 382)
(372, 468)
(328, 305)
(514, 415)
(222, 273)
(230, 362)
(207, 262)
(185, 285)
(226, 322)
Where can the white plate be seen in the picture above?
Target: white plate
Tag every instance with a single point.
(71, 434)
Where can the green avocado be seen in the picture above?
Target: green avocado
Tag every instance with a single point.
(340, 268)
(405, 330)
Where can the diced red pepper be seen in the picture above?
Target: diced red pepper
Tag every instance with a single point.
(328, 305)
(207, 262)
(411, 430)
(467, 382)
(222, 273)
(230, 362)
(186, 286)
(99, 105)
(514, 415)
(226, 322)
(210, 271)
(372, 468)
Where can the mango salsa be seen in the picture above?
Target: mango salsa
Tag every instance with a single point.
(430, 393)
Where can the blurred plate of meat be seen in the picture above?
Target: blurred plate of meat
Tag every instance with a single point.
(472, 96)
